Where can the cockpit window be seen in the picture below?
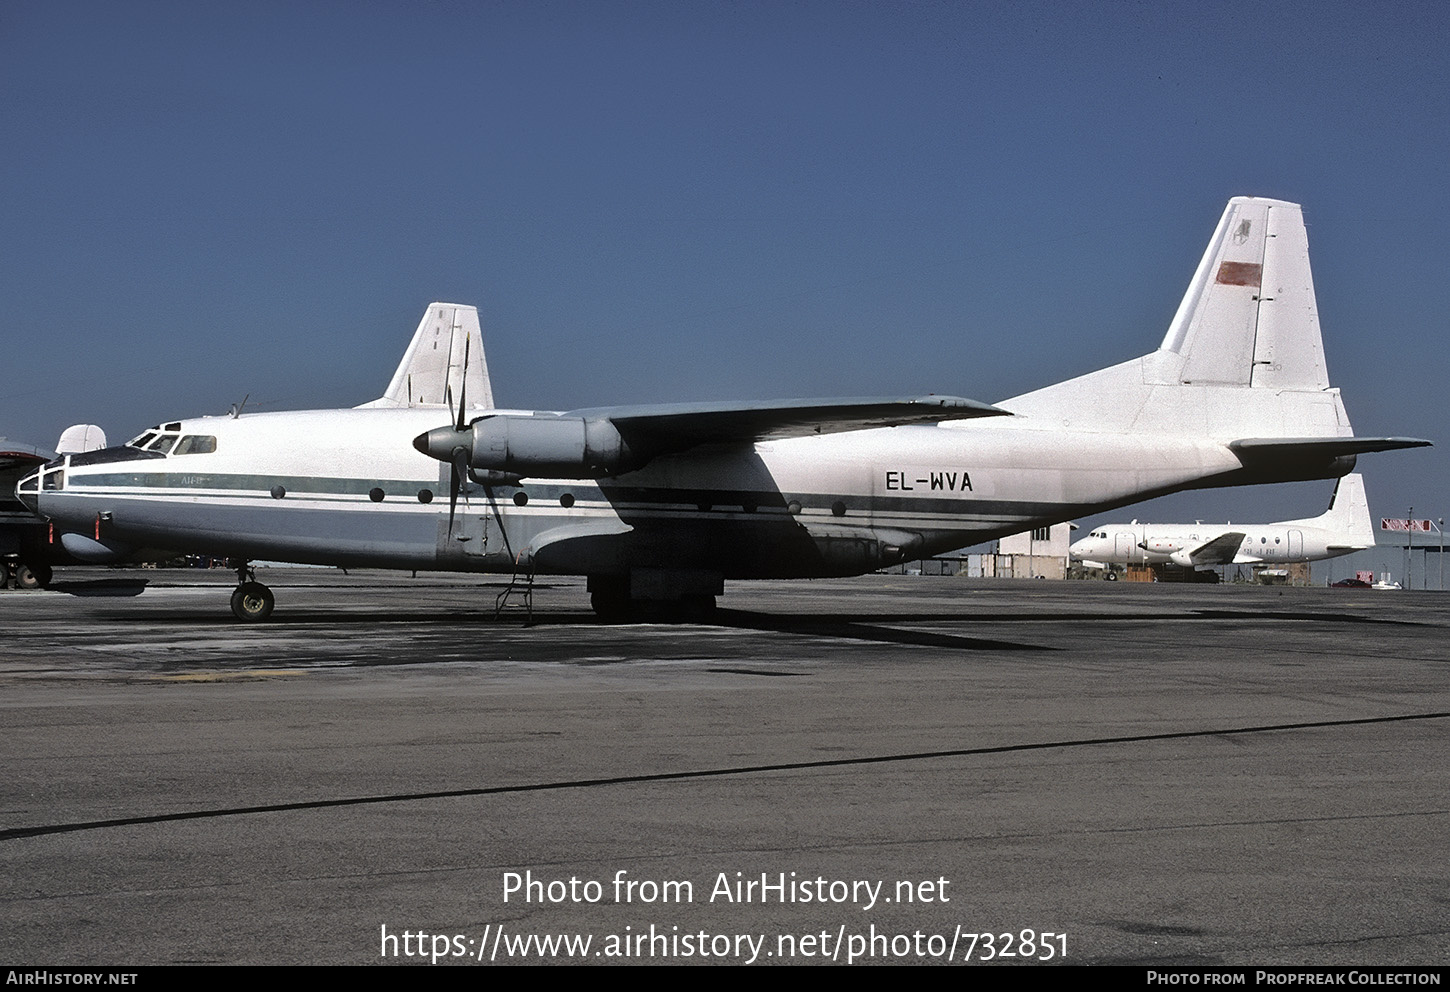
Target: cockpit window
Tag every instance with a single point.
(141, 442)
(162, 444)
(196, 444)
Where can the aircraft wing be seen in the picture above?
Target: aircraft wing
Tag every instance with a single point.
(664, 428)
(1220, 551)
(15, 455)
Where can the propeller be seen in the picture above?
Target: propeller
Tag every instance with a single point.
(456, 440)
(454, 444)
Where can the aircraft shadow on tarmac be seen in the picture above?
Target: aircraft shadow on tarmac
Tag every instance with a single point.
(1232, 616)
(901, 628)
(100, 587)
(867, 627)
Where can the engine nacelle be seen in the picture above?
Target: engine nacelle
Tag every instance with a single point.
(552, 447)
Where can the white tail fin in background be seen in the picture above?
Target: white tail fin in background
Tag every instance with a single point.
(1348, 514)
(433, 372)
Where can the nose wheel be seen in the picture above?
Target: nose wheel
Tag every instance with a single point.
(251, 601)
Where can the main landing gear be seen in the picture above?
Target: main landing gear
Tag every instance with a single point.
(251, 601)
(27, 575)
(686, 598)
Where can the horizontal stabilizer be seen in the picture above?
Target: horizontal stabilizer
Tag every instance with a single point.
(671, 427)
(1263, 449)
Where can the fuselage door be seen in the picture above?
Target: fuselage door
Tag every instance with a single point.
(1126, 546)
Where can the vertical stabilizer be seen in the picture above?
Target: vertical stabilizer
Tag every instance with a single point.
(1347, 517)
(1242, 358)
(1348, 512)
(446, 350)
(1249, 316)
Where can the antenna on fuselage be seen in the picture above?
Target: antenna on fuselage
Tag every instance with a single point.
(236, 410)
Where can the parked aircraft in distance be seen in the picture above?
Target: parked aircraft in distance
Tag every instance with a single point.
(26, 554)
(664, 503)
(1344, 528)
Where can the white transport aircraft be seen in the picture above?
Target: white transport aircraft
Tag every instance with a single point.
(1345, 527)
(661, 504)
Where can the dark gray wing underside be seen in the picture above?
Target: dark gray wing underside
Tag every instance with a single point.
(678, 426)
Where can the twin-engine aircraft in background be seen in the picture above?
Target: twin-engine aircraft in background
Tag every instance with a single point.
(1344, 528)
(661, 504)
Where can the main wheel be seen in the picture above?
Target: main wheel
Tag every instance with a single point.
(32, 576)
(252, 601)
(697, 609)
(612, 606)
(4, 574)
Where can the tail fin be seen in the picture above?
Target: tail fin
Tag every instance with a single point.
(1249, 317)
(1348, 514)
(438, 361)
(1243, 357)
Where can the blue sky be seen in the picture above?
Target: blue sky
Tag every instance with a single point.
(671, 201)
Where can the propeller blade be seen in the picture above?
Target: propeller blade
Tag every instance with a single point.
(463, 386)
(455, 482)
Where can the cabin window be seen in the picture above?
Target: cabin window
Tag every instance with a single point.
(196, 444)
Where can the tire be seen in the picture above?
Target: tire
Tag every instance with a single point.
(252, 602)
(1110, 577)
(697, 609)
(4, 574)
(32, 576)
(612, 606)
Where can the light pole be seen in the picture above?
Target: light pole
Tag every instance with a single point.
(1409, 548)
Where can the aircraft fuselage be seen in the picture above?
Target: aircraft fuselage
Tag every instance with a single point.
(347, 487)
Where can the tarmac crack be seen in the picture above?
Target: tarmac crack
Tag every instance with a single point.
(39, 830)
